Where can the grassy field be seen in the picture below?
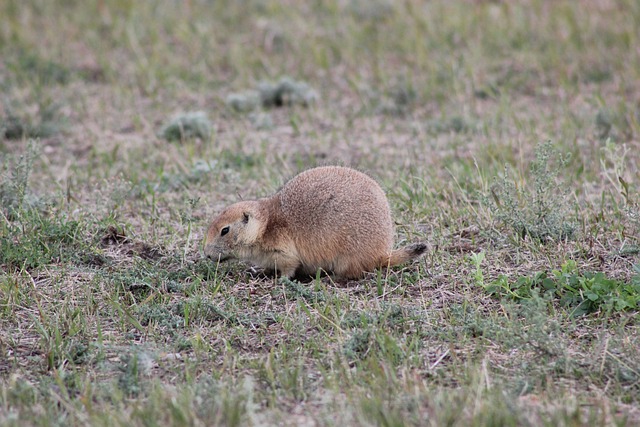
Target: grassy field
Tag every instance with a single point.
(505, 133)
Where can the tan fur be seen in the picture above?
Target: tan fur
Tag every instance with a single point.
(333, 218)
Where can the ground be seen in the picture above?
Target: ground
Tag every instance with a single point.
(505, 134)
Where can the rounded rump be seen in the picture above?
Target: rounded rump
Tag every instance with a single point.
(337, 210)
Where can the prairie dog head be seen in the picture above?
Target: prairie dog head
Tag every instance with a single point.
(232, 233)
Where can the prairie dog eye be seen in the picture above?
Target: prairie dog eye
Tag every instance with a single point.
(224, 231)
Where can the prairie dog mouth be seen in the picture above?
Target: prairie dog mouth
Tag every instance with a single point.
(218, 258)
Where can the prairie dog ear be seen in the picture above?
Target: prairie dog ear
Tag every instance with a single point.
(252, 228)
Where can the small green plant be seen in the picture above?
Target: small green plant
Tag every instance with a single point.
(358, 345)
(243, 102)
(132, 370)
(14, 180)
(187, 126)
(583, 293)
(476, 260)
(541, 212)
(284, 93)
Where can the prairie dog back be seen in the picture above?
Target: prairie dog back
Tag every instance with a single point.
(339, 211)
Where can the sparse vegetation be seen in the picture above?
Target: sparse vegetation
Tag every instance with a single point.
(542, 212)
(523, 312)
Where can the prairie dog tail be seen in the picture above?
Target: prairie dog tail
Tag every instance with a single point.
(402, 255)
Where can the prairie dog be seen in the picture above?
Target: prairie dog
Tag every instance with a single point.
(333, 218)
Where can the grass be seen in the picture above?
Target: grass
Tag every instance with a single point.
(523, 312)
